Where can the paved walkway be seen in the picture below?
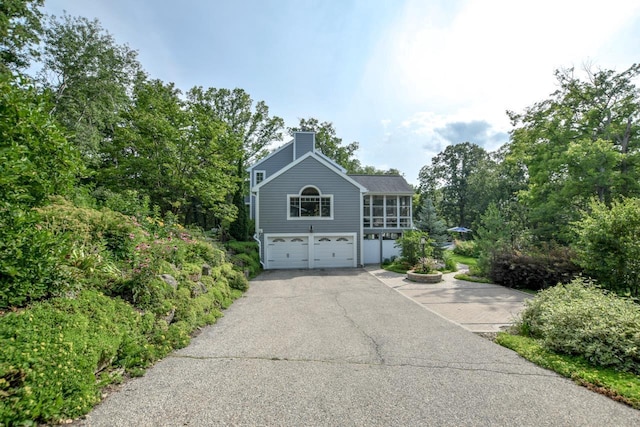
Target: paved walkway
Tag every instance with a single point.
(478, 307)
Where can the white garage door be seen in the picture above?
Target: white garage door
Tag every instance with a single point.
(310, 251)
(333, 251)
(287, 252)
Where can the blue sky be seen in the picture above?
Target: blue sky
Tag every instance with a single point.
(404, 78)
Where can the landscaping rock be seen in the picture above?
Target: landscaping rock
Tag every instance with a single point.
(199, 289)
(169, 280)
(206, 270)
(169, 317)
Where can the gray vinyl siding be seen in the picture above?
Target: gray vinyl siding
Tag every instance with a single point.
(274, 163)
(273, 201)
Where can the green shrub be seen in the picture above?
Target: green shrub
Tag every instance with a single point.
(127, 202)
(245, 262)
(245, 256)
(150, 294)
(466, 248)
(31, 259)
(411, 248)
(537, 270)
(205, 251)
(237, 247)
(583, 320)
(116, 232)
(450, 263)
(236, 279)
(50, 355)
(608, 245)
(398, 265)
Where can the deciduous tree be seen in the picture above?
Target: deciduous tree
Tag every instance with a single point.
(582, 142)
(89, 77)
(453, 181)
(252, 127)
(20, 30)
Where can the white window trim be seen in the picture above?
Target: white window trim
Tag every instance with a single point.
(384, 217)
(309, 218)
(255, 176)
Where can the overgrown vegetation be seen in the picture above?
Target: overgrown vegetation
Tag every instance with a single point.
(130, 291)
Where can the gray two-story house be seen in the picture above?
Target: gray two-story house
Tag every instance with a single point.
(309, 213)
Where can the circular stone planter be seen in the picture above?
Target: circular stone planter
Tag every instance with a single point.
(424, 278)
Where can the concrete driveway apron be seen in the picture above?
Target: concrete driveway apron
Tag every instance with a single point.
(340, 348)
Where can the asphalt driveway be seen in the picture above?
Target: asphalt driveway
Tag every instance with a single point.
(340, 348)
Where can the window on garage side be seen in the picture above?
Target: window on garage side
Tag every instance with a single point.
(310, 203)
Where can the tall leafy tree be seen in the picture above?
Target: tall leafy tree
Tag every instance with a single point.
(146, 149)
(20, 30)
(36, 160)
(582, 142)
(329, 144)
(252, 127)
(218, 151)
(173, 151)
(89, 77)
(452, 180)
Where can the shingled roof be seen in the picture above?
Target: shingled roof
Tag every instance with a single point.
(387, 184)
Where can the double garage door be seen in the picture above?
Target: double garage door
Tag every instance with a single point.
(310, 251)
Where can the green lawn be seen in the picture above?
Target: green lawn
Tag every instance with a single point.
(461, 259)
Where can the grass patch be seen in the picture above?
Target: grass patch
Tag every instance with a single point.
(621, 386)
(397, 267)
(475, 279)
(462, 259)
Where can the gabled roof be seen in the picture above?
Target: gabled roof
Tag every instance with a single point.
(321, 159)
(384, 184)
(273, 153)
(282, 147)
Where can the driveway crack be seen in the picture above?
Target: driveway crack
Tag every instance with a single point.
(382, 364)
(374, 344)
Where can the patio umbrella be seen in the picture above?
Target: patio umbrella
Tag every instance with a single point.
(459, 229)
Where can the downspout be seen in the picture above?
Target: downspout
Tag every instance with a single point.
(256, 234)
(361, 219)
(257, 239)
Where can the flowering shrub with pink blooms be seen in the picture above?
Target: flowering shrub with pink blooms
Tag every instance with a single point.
(132, 290)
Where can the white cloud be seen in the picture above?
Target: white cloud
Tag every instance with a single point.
(496, 52)
(441, 67)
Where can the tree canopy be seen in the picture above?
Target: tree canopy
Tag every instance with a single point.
(20, 30)
(583, 142)
(454, 180)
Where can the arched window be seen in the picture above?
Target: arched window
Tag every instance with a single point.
(310, 203)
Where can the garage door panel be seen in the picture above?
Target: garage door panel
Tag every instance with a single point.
(333, 251)
(288, 252)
